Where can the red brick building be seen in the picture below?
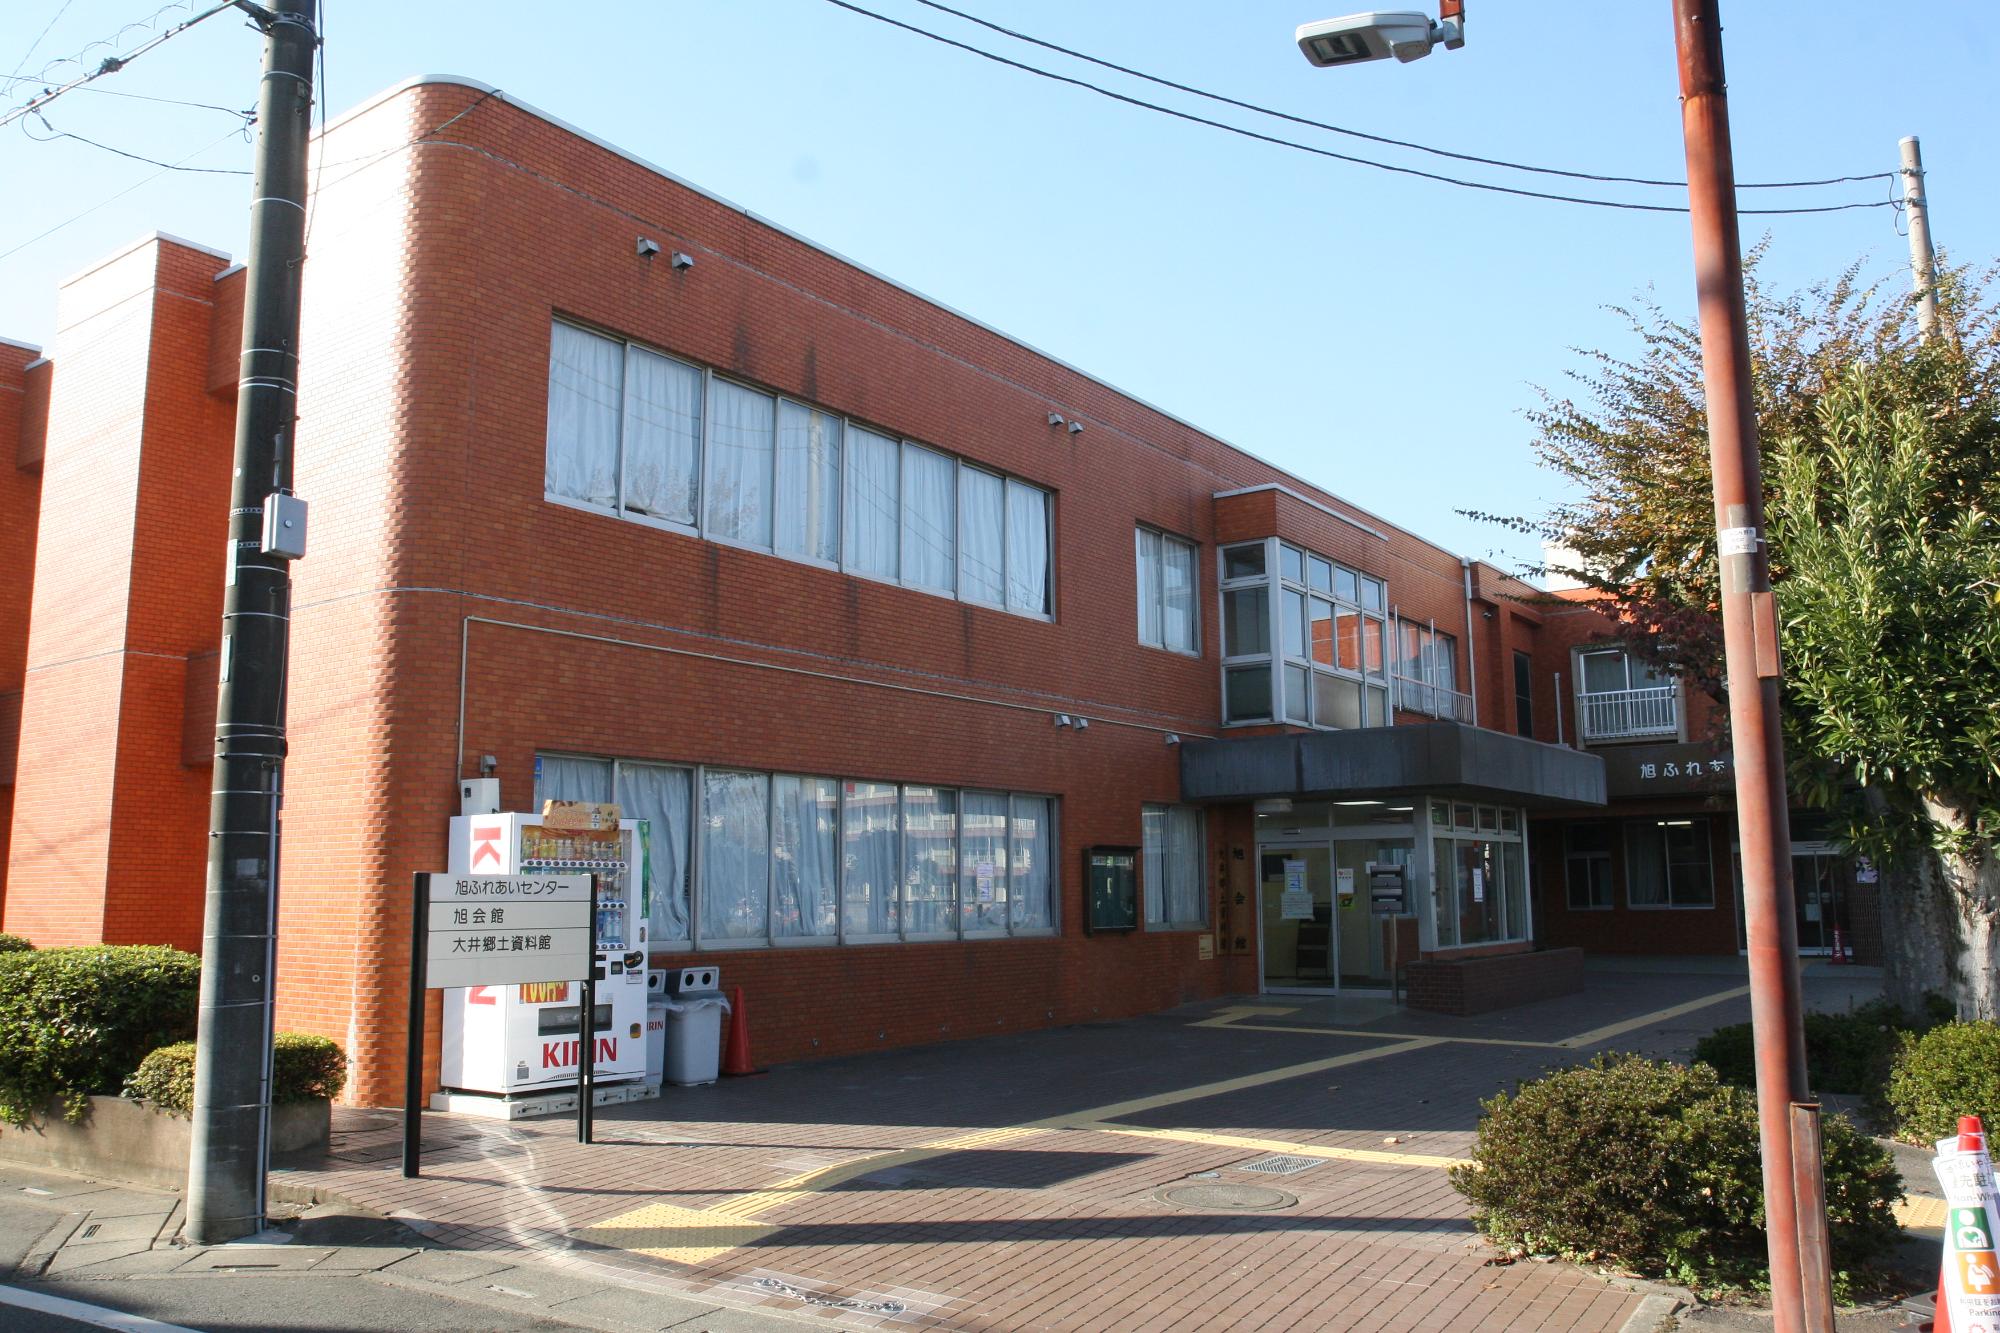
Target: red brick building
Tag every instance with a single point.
(619, 489)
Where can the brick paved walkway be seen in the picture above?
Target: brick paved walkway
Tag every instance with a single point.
(1022, 1182)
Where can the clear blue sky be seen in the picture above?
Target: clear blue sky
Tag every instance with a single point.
(1376, 334)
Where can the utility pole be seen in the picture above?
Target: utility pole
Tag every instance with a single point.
(1923, 261)
(1750, 640)
(232, 1093)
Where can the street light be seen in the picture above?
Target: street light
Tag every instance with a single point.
(1379, 34)
(1801, 1292)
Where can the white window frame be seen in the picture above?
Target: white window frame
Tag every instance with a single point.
(704, 466)
(1157, 595)
(1152, 892)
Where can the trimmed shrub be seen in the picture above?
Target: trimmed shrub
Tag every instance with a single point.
(1848, 1053)
(1654, 1167)
(1950, 1071)
(14, 944)
(76, 1021)
(303, 1067)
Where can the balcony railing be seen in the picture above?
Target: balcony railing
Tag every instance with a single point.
(1418, 696)
(1623, 715)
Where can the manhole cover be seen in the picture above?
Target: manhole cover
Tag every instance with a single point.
(1232, 1198)
(1279, 1166)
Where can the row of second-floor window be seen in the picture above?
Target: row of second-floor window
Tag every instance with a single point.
(1309, 646)
(738, 858)
(640, 434)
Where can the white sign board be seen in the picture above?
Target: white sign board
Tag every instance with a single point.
(502, 930)
(1971, 1272)
(1343, 881)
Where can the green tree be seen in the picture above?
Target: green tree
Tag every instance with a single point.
(1865, 425)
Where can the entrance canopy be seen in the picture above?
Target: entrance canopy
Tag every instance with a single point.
(1438, 759)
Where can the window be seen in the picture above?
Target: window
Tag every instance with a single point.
(982, 888)
(1173, 866)
(1620, 696)
(871, 860)
(1166, 592)
(1667, 864)
(1328, 652)
(735, 855)
(1427, 672)
(1479, 885)
(662, 796)
(634, 432)
(1030, 844)
(1587, 866)
(740, 448)
(1524, 696)
(930, 862)
(805, 866)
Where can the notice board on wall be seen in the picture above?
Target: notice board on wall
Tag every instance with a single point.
(1111, 888)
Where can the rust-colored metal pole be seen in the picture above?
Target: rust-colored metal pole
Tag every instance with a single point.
(1815, 1253)
(1750, 638)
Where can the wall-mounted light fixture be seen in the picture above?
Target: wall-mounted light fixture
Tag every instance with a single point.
(1063, 719)
(1076, 428)
(488, 765)
(1173, 738)
(1082, 722)
(682, 260)
(647, 247)
(1055, 418)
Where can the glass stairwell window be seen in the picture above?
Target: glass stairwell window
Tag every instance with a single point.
(1621, 697)
(1309, 647)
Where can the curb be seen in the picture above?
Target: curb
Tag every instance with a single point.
(1653, 1311)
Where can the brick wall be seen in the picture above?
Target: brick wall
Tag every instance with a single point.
(1479, 985)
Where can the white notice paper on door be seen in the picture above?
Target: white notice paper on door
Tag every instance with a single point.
(1479, 886)
(1297, 903)
(1343, 882)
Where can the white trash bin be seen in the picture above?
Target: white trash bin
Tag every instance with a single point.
(694, 1007)
(656, 1042)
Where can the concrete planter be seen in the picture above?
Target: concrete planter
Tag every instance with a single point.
(123, 1140)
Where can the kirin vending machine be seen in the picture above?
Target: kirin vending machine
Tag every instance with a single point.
(507, 1040)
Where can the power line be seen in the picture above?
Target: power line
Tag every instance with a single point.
(55, 134)
(1362, 134)
(1308, 148)
(113, 63)
(47, 28)
(110, 199)
(247, 114)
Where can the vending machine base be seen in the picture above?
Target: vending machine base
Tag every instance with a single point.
(526, 1105)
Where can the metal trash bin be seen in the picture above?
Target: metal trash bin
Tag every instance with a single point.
(694, 1006)
(656, 1027)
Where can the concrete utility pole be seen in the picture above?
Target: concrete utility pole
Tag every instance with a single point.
(1750, 644)
(1923, 261)
(232, 1093)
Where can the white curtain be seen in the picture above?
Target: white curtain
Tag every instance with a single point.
(662, 436)
(660, 795)
(1027, 549)
(930, 861)
(1151, 625)
(869, 505)
(1029, 862)
(871, 867)
(982, 863)
(808, 483)
(1153, 861)
(930, 547)
(1185, 900)
(586, 382)
(1178, 574)
(735, 855)
(982, 540)
(740, 423)
(805, 865)
(562, 777)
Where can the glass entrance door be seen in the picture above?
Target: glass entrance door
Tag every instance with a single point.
(1363, 936)
(1819, 899)
(1297, 909)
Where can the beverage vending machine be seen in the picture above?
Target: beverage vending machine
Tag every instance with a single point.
(504, 1040)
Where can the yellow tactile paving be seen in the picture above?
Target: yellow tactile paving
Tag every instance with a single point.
(683, 1235)
(1619, 1029)
(1249, 1144)
(1921, 1214)
(1138, 1105)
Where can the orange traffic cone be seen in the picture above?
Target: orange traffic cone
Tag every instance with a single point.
(1839, 949)
(1971, 1138)
(736, 1048)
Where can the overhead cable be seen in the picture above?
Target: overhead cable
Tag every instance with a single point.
(1363, 134)
(113, 63)
(1309, 148)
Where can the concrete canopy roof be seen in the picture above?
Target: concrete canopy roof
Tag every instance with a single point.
(1438, 758)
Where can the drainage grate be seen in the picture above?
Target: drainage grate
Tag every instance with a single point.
(1279, 1166)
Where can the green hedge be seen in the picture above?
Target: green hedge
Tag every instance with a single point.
(14, 944)
(1847, 1053)
(1950, 1071)
(76, 1021)
(1654, 1167)
(303, 1067)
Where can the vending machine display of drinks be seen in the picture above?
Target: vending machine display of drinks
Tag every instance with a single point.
(505, 1040)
